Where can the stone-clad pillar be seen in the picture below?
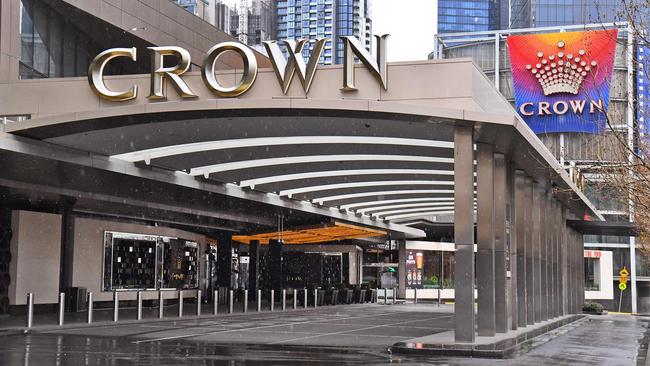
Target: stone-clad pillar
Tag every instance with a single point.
(513, 304)
(543, 255)
(500, 250)
(537, 244)
(485, 240)
(464, 234)
(530, 272)
(520, 235)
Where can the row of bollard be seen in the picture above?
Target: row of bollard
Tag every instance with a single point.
(394, 296)
(161, 303)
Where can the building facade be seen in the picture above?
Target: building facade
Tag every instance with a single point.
(468, 15)
(456, 16)
(311, 19)
(605, 255)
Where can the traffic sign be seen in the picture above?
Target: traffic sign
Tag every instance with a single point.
(622, 286)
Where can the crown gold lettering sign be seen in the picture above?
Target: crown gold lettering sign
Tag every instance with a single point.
(561, 73)
(284, 67)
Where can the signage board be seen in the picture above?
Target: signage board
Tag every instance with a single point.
(414, 265)
(561, 80)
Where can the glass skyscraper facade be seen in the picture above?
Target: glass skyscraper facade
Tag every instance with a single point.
(484, 15)
(312, 19)
(551, 13)
(467, 15)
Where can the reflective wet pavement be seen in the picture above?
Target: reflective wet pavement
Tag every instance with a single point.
(328, 336)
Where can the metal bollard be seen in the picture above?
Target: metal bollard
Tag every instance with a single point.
(284, 299)
(215, 303)
(415, 296)
(139, 297)
(30, 310)
(305, 303)
(439, 296)
(90, 307)
(116, 306)
(315, 298)
(180, 303)
(198, 302)
(295, 299)
(61, 307)
(230, 303)
(272, 299)
(385, 296)
(245, 301)
(161, 305)
(259, 300)
(394, 293)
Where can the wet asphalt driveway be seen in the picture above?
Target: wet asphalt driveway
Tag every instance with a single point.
(358, 334)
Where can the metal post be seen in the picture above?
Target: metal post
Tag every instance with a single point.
(295, 299)
(259, 300)
(215, 302)
(90, 308)
(230, 301)
(180, 303)
(394, 296)
(272, 299)
(61, 307)
(116, 306)
(439, 296)
(305, 303)
(245, 301)
(30, 310)
(284, 299)
(139, 297)
(198, 302)
(415, 296)
(161, 304)
(315, 298)
(464, 234)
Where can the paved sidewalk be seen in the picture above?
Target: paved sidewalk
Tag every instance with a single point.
(354, 334)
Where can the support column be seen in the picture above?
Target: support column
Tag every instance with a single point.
(530, 272)
(500, 250)
(549, 255)
(513, 306)
(485, 240)
(553, 265)
(520, 235)
(537, 245)
(464, 234)
(563, 259)
(254, 268)
(558, 261)
(543, 255)
(275, 266)
(401, 269)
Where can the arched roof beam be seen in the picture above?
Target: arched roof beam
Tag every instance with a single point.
(252, 183)
(353, 206)
(256, 163)
(161, 152)
(343, 197)
(349, 185)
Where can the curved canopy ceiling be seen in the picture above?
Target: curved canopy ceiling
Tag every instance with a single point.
(402, 166)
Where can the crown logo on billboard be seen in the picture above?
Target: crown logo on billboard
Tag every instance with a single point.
(561, 73)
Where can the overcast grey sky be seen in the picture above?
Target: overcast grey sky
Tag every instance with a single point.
(411, 24)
